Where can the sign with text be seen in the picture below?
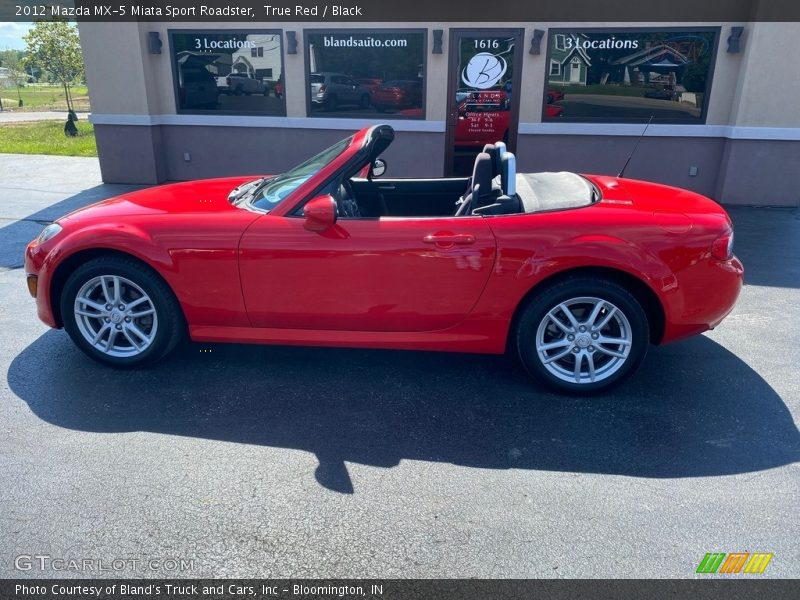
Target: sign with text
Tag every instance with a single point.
(228, 72)
(357, 73)
(629, 75)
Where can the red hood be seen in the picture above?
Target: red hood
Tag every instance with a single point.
(201, 196)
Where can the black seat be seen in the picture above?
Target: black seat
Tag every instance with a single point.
(507, 202)
(483, 190)
(496, 153)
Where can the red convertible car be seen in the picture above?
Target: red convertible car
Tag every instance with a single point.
(577, 274)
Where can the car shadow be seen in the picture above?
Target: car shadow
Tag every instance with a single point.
(694, 409)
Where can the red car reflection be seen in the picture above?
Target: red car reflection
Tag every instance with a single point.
(397, 94)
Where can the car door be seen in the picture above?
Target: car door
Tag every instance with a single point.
(387, 274)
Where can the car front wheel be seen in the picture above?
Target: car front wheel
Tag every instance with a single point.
(582, 335)
(121, 313)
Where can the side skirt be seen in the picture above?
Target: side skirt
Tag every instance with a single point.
(487, 337)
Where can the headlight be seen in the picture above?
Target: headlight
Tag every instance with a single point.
(49, 232)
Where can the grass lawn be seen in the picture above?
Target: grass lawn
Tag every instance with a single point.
(44, 97)
(47, 137)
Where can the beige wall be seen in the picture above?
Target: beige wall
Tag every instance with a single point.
(755, 88)
(768, 93)
(114, 71)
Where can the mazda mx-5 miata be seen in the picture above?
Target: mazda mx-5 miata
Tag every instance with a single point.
(577, 274)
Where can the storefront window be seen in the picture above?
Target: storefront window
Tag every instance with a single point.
(232, 72)
(354, 73)
(630, 75)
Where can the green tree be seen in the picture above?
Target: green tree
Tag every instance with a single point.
(16, 74)
(55, 46)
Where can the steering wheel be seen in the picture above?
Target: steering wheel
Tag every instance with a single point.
(346, 201)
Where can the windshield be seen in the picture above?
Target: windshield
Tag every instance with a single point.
(276, 189)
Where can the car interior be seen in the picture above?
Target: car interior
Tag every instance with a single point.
(494, 188)
(491, 190)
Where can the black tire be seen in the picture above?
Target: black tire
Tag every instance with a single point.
(168, 317)
(628, 322)
(365, 101)
(380, 109)
(238, 91)
(330, 103)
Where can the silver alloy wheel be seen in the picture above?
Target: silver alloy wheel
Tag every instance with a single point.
(115, 316)
(584, 340)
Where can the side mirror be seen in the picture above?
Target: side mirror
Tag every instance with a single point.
(378, 167)
(320, 213)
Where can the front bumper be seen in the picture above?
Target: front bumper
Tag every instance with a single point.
(38, 267)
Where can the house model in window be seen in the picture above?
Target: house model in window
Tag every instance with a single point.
(569, 63)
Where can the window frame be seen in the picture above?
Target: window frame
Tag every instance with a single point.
(610, 31)
(363, 32)
(171, 33)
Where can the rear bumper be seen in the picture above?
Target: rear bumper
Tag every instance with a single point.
(708, 295)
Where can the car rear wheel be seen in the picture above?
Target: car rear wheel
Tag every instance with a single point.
(582, 335)
(120, 313)
(364, 101)
(330, 103)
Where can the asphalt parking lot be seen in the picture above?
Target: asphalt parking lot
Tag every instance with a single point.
(253, 461)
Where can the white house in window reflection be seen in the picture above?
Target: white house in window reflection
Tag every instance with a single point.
(569, 63)
(263, 61)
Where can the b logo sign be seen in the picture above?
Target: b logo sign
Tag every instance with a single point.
(484, 70)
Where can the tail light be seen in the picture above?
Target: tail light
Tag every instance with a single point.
(228, 81)
(322, 88)
(722, 248)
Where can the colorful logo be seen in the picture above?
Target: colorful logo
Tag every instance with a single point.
(735, 562)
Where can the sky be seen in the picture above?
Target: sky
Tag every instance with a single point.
(11, 35)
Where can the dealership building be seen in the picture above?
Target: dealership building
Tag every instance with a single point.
(190, 100)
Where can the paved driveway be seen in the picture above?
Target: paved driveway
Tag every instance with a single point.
(259, 461)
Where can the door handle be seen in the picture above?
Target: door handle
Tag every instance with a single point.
(387, 187)
(449, 238)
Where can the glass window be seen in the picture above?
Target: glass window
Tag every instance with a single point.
(277, 188)
(353, 73)
(232, 72)
(630, 75)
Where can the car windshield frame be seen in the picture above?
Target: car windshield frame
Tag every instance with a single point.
(276, 189)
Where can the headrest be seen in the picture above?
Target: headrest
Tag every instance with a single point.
(508, 174)
(494, 152)
(501, 148)
(482, 174)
